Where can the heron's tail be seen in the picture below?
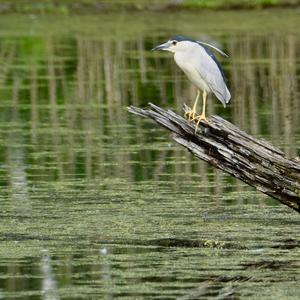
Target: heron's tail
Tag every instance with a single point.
(224, 96)
(227, 97)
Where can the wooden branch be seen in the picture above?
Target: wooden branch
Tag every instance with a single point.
(225, 146)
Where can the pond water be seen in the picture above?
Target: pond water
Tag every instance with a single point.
(99, 204)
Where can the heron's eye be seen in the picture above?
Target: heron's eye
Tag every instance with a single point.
(174, 43)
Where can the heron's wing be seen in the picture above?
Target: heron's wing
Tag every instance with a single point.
(213, 47)
(210, 70)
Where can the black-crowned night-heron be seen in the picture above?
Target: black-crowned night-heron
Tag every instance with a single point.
(201, 67)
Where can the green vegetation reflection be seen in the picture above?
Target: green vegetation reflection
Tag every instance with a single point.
(96, 203)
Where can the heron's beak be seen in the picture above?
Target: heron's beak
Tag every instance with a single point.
(164, 46)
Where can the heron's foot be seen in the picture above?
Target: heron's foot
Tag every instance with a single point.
(190, 115)
(198, 119)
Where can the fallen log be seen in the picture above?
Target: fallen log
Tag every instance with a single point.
(224, 146)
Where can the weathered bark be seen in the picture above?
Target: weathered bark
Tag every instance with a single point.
(225, 146)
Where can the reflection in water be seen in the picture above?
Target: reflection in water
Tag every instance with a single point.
(79, 89)
(263, 81)
(49, 286)
(106, 279)
(16, 156)
(89, 169)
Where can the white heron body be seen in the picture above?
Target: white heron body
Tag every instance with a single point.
(187, 65)
(201, 69)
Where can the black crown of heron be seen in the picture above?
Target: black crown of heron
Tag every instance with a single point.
(202, 68)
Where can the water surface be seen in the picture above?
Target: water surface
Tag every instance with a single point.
(99, 204)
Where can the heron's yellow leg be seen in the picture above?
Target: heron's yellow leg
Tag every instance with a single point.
(192, 113)
(198, 119)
